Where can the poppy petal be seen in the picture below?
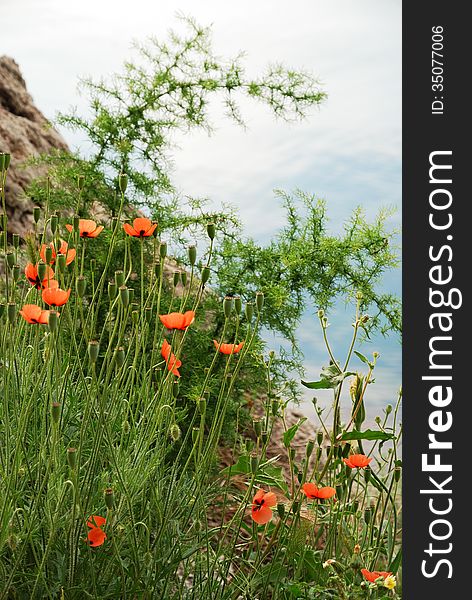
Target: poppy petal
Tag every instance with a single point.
(261, 515)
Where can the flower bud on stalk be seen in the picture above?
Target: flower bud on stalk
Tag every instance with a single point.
(109, 498)
(319, 437)
(201, 405)
(319, 452)
(6, 160)
(120, 357)
(119, 278)
(183, 278)
(176, 278)
(11, 311)
(16, 240)
(36, 213)
(175, 389)
(397, 471)
(112, 290)
(75, 223)
(309, 448)
(56, 412)
(135, 316)
(281, 510)
(175, 432)
(192, 255)
(16, 271)
(163, 249)
(227, 306)
(48, 254)
(131, 295)
(205, 274)
(275, 407)
(53, 221)
(148, 314)
(249, 311)
(254, 462)
(368, 515)
(72, 458)
(61, 262)
(124, 296)
(259, 301)
(264, 437)
(256, 423)
(80, 182)
(10, 259)
(53, 320)
(238, 305)
(211, 230)
(122, 182)
(42, 270)
(93, 350)
(80, 285)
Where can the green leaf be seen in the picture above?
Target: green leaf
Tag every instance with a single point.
(363, 358)
(290, 433)
(323, 384)
(267, 472)
(368, 434)
(396, 562)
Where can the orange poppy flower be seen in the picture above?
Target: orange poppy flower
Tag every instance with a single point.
(33, 314)
(96, 536)
(228, 348)
(261, 506)
(177, 320)
(54, 296)
(31, 272)
(373, 575)
(312, 491)
(357, 461)
(87, 228)
(64, 249)
(141, 227)
(173, 364)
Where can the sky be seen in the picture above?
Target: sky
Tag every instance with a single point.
(348, 152)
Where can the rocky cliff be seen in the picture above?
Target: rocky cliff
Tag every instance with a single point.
(24, 132)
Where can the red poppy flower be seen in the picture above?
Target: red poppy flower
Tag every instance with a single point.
(87, 228)
(312, 491)
(228, 348)
(141, 227)
(31, 272)
(177, 320)
(173, 364)
(55, 296)
(357, 461)
(261, 506)
(96, 536)
(373, 575)
(33, 314)
(64, 249)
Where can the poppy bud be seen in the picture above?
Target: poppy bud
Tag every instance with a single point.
(75, 223)
(158, 269)
(2, 309)
(254, 462)
(131, 295)
(163, 249)
(120, 357)
(61, 262)
(183, 278)
(296, 507)
(124, 295)
(249, 311)
(355, 506)
(122, 182)
(397, 471)
(339, 492)
(367, 515)
(10, 259)
(192, 255)
(93, 350)
(53, 320)
(264, 437)
(53, 221)
(300, 477)
(309, 448)
(16, 272)
(11, 311)
(359, 295)
(48, 254)
(211, 230)
(119, 278)
(175, 432)
(16, 240)
(6, 160)
(205, 274)
(281, 510)
(175, 389)
(80, 182)
(291, 452)
(201, 404)
(126, 427)
(112, 290)
(275, 407)
(388, 409)
(135, 316)
(195, 434)
(256, 423)
(227, 306)
(238, 305)
(319, 437)
(176, 278)
(36, 213)
(72, 457)
(328, 450)
(148, 314)
(80, 285)
(42, 269)
(259, 301)
(56, 412)
(320, 313)
(109, 498)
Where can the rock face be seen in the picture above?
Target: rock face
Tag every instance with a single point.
(24, 132)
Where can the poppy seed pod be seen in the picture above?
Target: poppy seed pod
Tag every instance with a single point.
(16, 240)
(195, 434)
(120, 357)
(48, 254)
(201, 405)
(264, 437)
(238, 305)
(148, 314)
(53, 221)
(36, 213)
(254, 462)
(61, 262)
(309, 448)
(56, 412)
(135, 316)
(122, 182)
(176, 278)
(192, 255)
(227, 306)
(367, 473)
(281, 510)
(42, 270)
(158, 269)
(6, 161)
(93, 350)
(16, 272)
(175, 432)
(131, 294)
(205, 274)
(175, 389)
(397, 471)
(259, 301)
(72, 457)
(124, 295)
(211, 230)
(109, 498)
(275, 407)
(2, 160)
(256, 423)
(339, 492)
(53, 320)
(10, 259)
(183, 278)
(367, 515)
(119, 278)
(112, 290)
(80, 285)
(80, 182)
(2, 309)
(11, 311)
(163, 249)
(249, 311)
(319, 437)
(76, 223)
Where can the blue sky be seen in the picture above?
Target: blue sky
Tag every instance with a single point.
(348, 152)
